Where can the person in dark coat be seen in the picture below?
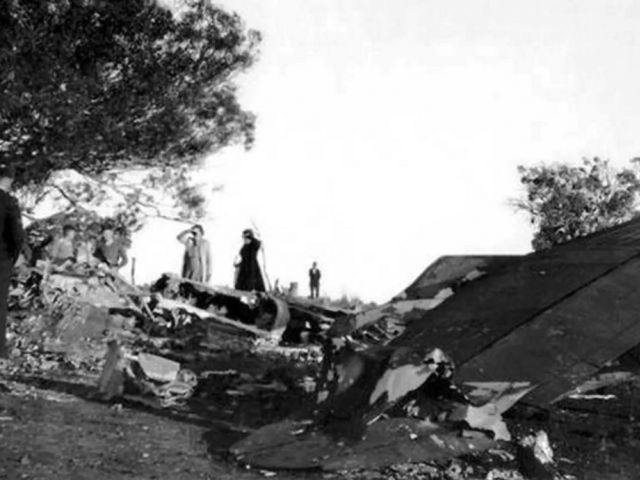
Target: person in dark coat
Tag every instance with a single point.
(11, 242)
(314, 280)
(110, 250)
(248, 274)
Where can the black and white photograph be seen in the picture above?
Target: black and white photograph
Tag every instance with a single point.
(319, 239)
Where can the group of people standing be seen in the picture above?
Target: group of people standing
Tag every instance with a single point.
(196, 262)
(111, 251)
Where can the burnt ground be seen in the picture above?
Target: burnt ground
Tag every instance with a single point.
(54, 426)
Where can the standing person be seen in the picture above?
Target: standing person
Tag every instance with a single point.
(248, 274)
(11, 241)
(63, 250)
(196, 263)
(314, 280)
(110, 251)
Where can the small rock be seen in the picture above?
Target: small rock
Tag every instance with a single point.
(502, 474)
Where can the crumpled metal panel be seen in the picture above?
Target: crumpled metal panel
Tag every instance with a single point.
(554, 316)
(565, 345)
(446, 271)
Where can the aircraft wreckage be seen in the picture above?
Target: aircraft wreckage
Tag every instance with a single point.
(429, 374)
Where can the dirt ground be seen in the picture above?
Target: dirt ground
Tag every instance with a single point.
(53, 425)
(54, 429)
(58, 429)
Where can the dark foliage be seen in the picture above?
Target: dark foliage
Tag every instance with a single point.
(566, 202)
(96, 84)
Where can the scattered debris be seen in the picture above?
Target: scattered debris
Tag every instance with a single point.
(145, 374)
(386, 442)
(385, 396)
(504, 474)
(535, 457)
(388, 396)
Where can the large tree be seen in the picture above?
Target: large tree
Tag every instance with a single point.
(566, 201)
(100, 84)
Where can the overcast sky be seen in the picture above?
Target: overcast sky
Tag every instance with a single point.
(389, 132)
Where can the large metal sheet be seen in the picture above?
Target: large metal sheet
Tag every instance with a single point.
(554, 317)
(559, 349)
(446, 271)
(491, 307)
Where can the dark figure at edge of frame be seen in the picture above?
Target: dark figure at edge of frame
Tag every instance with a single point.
(11, 242)
(248, 274)
(314, 280)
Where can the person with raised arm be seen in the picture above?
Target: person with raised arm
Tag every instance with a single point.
(196, 262)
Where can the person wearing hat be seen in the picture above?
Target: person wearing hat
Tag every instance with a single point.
(314, 280)
(248, 274)
(11, 242)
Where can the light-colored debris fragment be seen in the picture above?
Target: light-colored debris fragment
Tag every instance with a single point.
(603, 380)
(502, 454)
(158, 368)
(398, 382)
(540, 445)
(578, 396)
(504, 474)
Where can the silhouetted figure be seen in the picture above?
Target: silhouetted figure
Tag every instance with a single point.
(11, 241)
(196, 263)
(314, 280)
(248, 274)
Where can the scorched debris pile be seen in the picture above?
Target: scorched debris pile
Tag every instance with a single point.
(537, 332)
(455, 367)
